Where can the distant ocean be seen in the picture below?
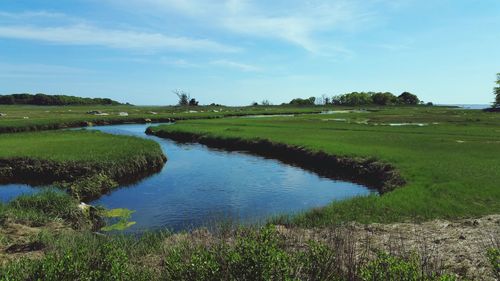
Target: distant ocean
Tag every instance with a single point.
(469, 106)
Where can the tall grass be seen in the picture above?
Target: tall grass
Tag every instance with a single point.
(43, 207)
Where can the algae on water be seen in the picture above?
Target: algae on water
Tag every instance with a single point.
(120, 217)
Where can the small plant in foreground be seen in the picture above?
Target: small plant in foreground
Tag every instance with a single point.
(494, 259)
(387, 267)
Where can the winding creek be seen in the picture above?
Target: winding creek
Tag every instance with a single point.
(200, 185)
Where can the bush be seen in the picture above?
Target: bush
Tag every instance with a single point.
(318, 262)
(494, 258)
(181, 263)
(101, 261)
(259, 255)
(387, 267)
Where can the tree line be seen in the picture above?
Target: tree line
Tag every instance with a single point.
(496, 92)
(43, 99)
(361, 98)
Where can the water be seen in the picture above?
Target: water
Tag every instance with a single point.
(199, 186)
(11, 191)
(471, 106)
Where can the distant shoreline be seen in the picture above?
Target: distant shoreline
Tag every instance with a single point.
(468, 106)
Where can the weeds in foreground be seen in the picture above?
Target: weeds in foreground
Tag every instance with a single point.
(247, 254)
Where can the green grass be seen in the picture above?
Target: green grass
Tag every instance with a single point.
(43, 207)
(86, 163)
(29, 117)
(75, 145)
(452, 164)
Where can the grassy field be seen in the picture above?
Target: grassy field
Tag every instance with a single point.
(27, 118)
(450, 158)
(74, 145)
(86, 163)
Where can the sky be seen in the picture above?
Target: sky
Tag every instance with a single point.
(236, 52)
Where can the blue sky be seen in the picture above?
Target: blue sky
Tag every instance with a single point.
(238, 51)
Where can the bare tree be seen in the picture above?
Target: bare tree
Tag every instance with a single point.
(183, 96)
(265, 103)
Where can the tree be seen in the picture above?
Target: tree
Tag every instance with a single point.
(183, 96)
(265, 103)
(384, 98)
(299, 101)
(496, 92)
(193, 102)
(408, 98)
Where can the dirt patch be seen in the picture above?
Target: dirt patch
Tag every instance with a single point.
(459, 247)
(19, 240)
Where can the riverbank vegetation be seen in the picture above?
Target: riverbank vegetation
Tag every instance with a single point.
(229, 254)
(448, 157)
(86, 163)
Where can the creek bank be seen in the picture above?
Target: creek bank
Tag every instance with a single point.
(45, 172)
(371, 172)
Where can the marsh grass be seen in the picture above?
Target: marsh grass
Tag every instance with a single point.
(451, 167)
(42, 207)
(58, 117)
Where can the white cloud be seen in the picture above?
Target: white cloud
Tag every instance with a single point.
(39, 70)
(298, 22)
(82, 34)
(236, 65)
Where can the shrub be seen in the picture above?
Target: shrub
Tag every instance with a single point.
(107, 261)
(182, 263)
(259, 255)
(494, 258)
(387, 267)
(318, 262)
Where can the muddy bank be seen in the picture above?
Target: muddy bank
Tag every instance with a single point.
(370, 172)
(45, 172)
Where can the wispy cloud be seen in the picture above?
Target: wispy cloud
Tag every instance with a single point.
(300, 23)
(59, 28)
(236, 65)
(39, 70)
(123, 39)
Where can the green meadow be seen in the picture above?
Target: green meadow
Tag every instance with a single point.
(74, 145)
(449, 158)
(15, 118)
